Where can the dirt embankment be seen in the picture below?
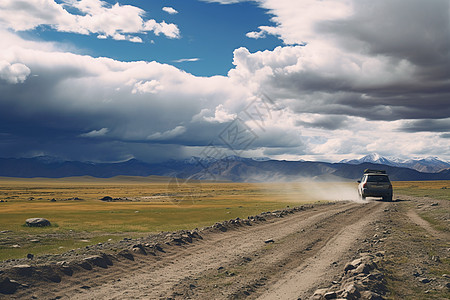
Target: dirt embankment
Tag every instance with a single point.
(343, 249)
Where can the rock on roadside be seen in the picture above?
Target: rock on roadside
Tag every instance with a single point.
(361, 280)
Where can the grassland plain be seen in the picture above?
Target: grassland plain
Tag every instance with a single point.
(147, 204)
(141, 205)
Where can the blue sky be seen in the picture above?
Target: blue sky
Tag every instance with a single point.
(209, 32)
(155, 80)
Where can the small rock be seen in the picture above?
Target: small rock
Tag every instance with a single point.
(434, 204)
(330, 295)
(446, 275)
(368, 295)
(30, 256)
(349, 267)
(23, 270)
(436, 258)
(126, 254)
(85, 265)
(356, 262)
(269, 241)
(67, 270)
(416, 274)
(362, 268)
(35, 241)
(424, 280)
(318, 294)
(8, 286)
(97, 260)
(37, 222)
(351, 292)
(380, 253)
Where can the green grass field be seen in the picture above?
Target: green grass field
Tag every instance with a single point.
(432, 189)
(155, 204)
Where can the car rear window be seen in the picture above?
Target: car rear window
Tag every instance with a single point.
(377, 178)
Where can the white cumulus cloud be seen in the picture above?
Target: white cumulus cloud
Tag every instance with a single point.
(120, 22)
(151, 86)
(168, 29)
(221, 115)
(170, 10)
(256, 35)
(13, 73)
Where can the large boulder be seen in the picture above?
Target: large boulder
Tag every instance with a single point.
(37, 222)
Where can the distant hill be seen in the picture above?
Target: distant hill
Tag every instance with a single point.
(429, 164)
(234, 168)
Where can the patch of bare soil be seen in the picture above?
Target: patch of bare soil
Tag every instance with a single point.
(374, 250)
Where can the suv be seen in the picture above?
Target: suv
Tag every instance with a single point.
(375, 183)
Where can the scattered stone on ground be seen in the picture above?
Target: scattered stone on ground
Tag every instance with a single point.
(361, 279)
(37, 222)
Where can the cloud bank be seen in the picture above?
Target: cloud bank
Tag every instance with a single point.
(119, 22)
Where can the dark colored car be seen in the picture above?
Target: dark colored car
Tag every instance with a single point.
(375, 183)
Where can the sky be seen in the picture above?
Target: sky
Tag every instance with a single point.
(154, 80)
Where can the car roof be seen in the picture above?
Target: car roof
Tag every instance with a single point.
(378, 174)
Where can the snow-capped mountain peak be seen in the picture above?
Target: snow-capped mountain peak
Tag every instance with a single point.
(429, 164)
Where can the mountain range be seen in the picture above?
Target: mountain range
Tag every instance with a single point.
(232, 168)
(429, 164)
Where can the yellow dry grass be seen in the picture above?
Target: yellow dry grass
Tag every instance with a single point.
(155, 204)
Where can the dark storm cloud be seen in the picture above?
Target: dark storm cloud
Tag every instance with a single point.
(427, 125)
(405, 31)
(414, 30)
(388, 60)
(329, 122)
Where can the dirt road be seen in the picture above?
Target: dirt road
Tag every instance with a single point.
(287, 257)
(308, 250)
